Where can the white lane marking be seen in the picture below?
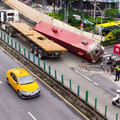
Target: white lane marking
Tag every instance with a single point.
(77, 71)
(107, 55)
(87, 78)
(32, 116)
(0, 82)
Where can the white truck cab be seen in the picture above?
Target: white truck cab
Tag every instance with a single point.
(7, 16)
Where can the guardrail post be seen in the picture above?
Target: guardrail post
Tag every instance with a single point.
(95, 103)
(8, 39)
(11, 42)
(62, 79)
(1, 34)
(55, 75)
(4, 37)
(105, 111)
(117, 116)
(15, 45)
(29, 55)
(49, 67)
(19, 48)
(44, 65)
(70, 84)
(78, 90)
(86, 96)
(33, 58)
(39, 61)
(24, 52)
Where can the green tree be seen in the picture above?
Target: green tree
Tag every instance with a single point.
(110, 13)
(116, 33)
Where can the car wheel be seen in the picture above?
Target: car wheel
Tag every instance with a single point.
(19, 94)
(8, 82)
(113, 103)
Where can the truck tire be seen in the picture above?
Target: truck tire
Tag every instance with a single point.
(10, 31)
(7, 31)
(40, 54)
(32, 48)
(36, 50)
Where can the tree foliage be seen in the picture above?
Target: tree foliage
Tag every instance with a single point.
(111, 13)
(116, 33)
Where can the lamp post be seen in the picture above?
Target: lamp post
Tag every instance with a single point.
(67, 10)
(100, 11)
(101, 18)
(94, 8)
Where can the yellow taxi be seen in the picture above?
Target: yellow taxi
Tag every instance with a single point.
(23, 83)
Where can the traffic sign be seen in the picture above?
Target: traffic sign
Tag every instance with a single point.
(82, 25)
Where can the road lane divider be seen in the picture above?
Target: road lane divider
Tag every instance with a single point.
(86, 77)
(32, 116)
(0, 82)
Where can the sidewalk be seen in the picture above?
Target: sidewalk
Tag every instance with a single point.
(111, 77)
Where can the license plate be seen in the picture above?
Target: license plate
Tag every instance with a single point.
(56, 53)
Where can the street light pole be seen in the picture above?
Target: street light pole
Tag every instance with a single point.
(100, 11)
(94, 8)
(68, 10)
(65, 11)
(101, 19)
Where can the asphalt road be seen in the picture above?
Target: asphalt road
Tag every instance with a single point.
(48, 106)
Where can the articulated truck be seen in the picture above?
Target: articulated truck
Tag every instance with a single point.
(63, 34)
(38, 43)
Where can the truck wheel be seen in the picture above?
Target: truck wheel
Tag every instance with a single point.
(36, 50)
(32, 48)
(10, 31)
(40, 55)
(7, 31)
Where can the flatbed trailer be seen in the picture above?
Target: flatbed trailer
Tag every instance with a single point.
(35, 17)
(38, 43)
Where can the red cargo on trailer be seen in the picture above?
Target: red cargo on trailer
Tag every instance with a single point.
(80, 45)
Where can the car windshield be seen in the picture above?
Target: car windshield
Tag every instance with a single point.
(25, 80)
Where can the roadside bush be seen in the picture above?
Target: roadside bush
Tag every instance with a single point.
(76, 23)
(116, 33)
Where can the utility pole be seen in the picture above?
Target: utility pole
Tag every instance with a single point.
(53, 4)
(94, 9)
(119, 5)
(65, 11)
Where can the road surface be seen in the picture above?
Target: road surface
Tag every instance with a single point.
(48, 106)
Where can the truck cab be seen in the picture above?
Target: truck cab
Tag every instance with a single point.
(7, 16)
